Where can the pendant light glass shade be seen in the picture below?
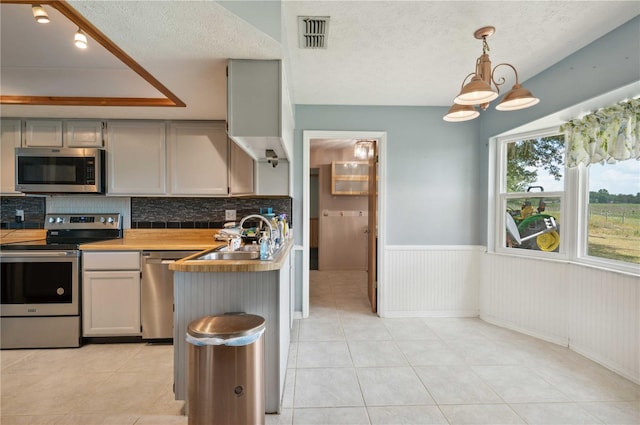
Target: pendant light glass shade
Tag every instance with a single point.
(40, 14)
(80, 39)
(475, 92)
(458, 113)
(517, 98)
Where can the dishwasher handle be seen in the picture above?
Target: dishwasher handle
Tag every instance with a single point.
(164, 257)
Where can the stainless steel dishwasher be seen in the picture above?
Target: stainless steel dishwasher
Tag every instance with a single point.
(157, 293)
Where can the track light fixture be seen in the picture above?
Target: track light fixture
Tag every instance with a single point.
(40, 14)
(80, 39)
(479, 91)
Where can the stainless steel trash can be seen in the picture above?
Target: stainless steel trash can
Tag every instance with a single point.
(226, 370)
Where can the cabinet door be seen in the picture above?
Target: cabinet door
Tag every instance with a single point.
(136, 157)
(9, 140)
(253, 98)
(198, 158)
(241, 170)
(349, 178)
(111, 303)
(43, 133)
(83, 133)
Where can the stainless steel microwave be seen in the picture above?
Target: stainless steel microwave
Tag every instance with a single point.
(60, 170)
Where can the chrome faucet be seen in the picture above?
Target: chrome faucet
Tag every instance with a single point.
(258, 216)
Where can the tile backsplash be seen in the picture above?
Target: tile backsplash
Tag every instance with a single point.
(199, 212)
(139, 212)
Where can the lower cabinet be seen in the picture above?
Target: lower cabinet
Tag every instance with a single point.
(111, 294)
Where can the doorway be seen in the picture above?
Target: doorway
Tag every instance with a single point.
(360, 215)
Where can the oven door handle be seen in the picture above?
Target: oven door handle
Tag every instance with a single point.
(39, 254)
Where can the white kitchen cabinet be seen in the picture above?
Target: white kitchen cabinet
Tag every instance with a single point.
(272, 180)
(241, 171)
(198, 158)
(42, 133)
(83, 133)
(136, 158)
(253, 98)
(254, 105)
(111, 294)
(9, 140)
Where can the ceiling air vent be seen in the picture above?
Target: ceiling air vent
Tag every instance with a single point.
(313, 31)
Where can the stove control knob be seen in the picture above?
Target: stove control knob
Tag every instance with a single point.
(110, 220)
(51, 219)
(102, 220)
(59, 220)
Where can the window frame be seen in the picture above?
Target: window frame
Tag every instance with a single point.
(573, 210)
(502, 196)
(582, 245)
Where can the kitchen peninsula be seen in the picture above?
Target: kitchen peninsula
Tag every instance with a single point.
(210, 287)
(203, 287)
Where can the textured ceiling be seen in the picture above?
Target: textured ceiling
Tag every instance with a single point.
(379, 52)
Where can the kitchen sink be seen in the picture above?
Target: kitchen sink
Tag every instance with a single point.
(230, 255)
(244, 252)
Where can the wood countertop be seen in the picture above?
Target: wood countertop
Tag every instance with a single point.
(22, 235)
(169, 240)
(188, 264)
(158, 240)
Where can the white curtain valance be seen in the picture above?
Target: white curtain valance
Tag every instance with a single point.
(609, 135)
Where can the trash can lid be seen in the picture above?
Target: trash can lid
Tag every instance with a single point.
(226, 326)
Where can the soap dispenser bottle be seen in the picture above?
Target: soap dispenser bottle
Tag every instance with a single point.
(264, 246)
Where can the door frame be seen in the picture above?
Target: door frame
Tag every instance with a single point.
(381, 138)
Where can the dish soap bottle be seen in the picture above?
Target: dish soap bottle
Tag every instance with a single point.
(264, 246)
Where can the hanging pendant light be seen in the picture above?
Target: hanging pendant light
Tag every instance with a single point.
(40, 14)
(479, 91)
(80, 39)
(459, 113)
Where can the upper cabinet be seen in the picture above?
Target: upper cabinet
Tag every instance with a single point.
(63, 133)
(241, 171)
(41, 133)
(198, 158)
(136, 159)
(83, 133)
(254, 106)
(9, 140)
(155, 158)
(349, 177)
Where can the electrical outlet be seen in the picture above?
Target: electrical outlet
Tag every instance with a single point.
(230, 214)
(19, 216)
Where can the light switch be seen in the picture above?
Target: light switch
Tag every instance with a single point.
(230, 214)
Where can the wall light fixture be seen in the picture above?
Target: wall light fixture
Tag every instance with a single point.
(479, 91)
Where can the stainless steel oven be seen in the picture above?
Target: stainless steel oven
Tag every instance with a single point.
(40, 281)
(40, 298)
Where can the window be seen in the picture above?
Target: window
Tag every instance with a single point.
(571, 192)
(613, 211)
(531, 194)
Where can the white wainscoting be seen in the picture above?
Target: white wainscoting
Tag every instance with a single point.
(431, 281)
(594, 312)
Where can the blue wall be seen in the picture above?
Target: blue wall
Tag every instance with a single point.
(433, 169)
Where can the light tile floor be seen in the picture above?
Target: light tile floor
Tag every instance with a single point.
(346, 366)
